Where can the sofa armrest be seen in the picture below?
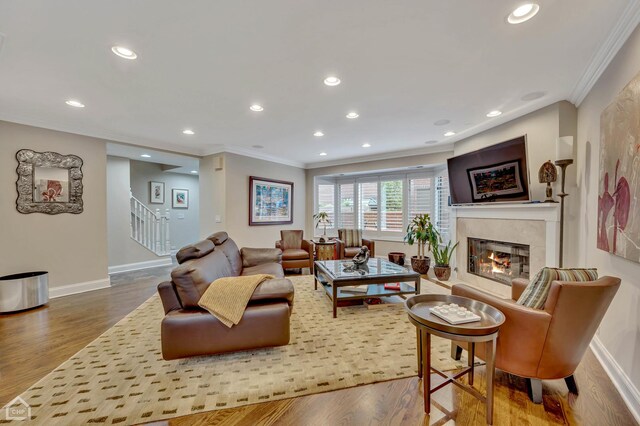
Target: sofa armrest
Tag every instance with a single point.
(307, 246)
(517, 287)
(258, 256)
(371, 245)
(521, 338)
(169, 297)
(274, 289)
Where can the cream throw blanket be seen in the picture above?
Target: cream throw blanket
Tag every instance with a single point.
(227, 298)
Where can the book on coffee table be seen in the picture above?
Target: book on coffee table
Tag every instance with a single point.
(355, 289)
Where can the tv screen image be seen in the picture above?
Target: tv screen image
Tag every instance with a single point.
(498, 173)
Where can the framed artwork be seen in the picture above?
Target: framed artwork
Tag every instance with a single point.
(619, 189)
(48, 182)
(156, 192)
(270, 202)
(180, 198)
(501, 180)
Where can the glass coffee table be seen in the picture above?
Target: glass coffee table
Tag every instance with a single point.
(332, 276)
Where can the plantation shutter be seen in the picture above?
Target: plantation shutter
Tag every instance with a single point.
(443, 210)
(419, 195)
(346, 208)
(368, 206)
(326, 202)
(391, 205)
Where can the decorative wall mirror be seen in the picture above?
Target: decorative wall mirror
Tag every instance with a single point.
(48, 182)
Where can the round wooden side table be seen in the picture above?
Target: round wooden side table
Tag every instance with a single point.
(485, 330)
(325, 250)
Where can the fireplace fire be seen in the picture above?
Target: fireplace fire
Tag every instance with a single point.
(498, 260)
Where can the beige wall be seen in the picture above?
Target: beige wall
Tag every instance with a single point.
(123, 250)
(620, 329)
(212, 195)
(73, 248)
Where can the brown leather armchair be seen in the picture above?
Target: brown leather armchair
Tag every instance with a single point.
(549, 343)
(347, 252)
(296, 251)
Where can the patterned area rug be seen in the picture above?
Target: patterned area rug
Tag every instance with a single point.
(121, 378)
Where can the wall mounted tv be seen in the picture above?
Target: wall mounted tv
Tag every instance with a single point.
(498, 173)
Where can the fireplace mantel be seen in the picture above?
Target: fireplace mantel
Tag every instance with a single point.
(514, 222)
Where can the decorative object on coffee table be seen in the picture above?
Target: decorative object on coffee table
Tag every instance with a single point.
(322, 218)
(422, 232)
(48, 182)
(428, 324)
(397, 257)
(270, 202)
(442, 257)
(359, 263)
(548, 174)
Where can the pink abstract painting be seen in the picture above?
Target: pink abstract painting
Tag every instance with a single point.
(618, 214)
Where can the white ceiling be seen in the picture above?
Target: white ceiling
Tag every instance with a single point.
(202, 63)
(175, 163)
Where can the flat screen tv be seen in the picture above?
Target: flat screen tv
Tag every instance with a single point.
(498, 173)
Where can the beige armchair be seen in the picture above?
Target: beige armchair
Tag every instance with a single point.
(346, 251)
(545, 344)
(296, 251)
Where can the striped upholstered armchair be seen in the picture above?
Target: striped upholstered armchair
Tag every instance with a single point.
(350, 241)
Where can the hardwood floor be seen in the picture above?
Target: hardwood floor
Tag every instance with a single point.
(33, 343)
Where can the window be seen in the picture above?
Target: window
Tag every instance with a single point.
(383, 205)
(326, 194)
(347, 206)
(368, 206)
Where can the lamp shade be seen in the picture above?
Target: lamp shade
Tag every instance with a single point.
(564, 148)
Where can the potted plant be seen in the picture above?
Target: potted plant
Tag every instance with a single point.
(421, 231)
(442, 257)
(322, 218)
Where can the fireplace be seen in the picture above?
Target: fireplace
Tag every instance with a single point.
(497, 260)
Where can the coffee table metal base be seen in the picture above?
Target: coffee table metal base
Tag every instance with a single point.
(423, 337)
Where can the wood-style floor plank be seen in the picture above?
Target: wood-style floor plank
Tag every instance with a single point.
(33, 343)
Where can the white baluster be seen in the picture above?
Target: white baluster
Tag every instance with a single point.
(167, 248)
(131, 217)
(157, 227)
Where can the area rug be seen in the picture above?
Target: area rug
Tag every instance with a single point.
(121, 378)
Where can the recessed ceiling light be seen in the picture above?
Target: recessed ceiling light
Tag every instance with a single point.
(257, 146)
(318, 134)
(449, 134)
(124, 52)
(145, 156)
(322, 154)
(366, 145)
(194, 171)
(74, 103)
(256, 108)
(188, 132)
(332, 81)
(442, 122)
(494, 114)
(353, 115)
(523, 13)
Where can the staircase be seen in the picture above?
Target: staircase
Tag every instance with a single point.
(149, 228)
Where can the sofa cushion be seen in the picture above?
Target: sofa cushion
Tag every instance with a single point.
(195, 251)
(194, 276)
(274, 269)
(535, 295)
(230, 249)
(258, 256)
(295, 254)
(218, 238)
(291, 239)
(350, 237)
(351, 251)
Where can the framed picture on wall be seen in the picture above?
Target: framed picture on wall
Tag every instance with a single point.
(156, 192)
(180, 198)
(270, 202)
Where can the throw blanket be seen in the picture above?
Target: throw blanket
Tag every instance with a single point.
(227, 298)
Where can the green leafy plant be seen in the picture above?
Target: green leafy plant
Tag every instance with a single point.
(322, 218)
(442, 255)
(422, 232)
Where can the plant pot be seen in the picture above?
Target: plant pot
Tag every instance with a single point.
(443, 273)
(397, 257)
(421, 266)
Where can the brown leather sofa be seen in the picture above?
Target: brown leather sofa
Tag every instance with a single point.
(188, 330)
(296, 251)
(347, 252)
(549, 343)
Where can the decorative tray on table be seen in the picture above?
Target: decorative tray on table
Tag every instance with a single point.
(454, 314)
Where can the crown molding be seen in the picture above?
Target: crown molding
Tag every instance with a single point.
(607, 51)
(245, 152)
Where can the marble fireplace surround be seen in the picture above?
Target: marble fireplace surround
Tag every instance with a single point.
(536, 225)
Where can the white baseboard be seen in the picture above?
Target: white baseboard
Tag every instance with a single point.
(163, 261)
(621, 381)
(67, 290)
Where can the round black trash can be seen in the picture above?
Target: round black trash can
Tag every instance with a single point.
(23, 291)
